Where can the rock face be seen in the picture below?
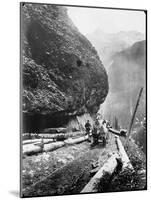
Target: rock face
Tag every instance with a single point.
(62, 73)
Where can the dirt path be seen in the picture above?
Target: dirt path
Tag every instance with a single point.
(39, 166)
(75, 174)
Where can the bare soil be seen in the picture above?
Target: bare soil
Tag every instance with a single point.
(63, 171)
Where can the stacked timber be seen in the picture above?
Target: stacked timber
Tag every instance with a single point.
(34, 149)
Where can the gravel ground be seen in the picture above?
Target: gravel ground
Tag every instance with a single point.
(39, 166)
(67, 170)
(63, 171)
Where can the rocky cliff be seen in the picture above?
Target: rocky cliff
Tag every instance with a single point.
(62, 73)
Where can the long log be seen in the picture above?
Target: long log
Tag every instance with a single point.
(58, 135)
(76, 141)
(51, 137)
(56, 145)
(107, 169)
(118, 133)
(30, 141)
(36, 141)
(53, 146)
(55, 130)
(123, 155)
(45, 141)
(33, 149)
(70, 141)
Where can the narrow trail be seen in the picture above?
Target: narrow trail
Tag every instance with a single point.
(69, 169)
(75, 174)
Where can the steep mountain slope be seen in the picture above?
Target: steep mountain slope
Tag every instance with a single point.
(62, 73)
(127, 75)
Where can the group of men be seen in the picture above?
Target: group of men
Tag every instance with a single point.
(98, 132)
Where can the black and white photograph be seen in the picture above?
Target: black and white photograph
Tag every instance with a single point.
(83, 95)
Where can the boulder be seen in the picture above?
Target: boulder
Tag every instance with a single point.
(63, 75)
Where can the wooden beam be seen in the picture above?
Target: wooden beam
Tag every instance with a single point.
(123, 155)
(108, 168)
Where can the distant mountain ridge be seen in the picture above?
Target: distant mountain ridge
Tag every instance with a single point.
(107, 44)
(126, 77)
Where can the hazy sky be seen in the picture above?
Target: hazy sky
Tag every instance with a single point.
(89, 19)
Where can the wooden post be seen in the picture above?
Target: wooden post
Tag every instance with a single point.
(133, 116)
